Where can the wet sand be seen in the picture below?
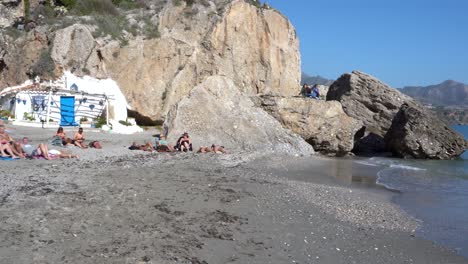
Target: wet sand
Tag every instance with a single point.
(120, 206)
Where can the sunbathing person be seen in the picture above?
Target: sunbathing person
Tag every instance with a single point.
(214, 148)
(15, 148)
(65, 140)
(55, 154)
(184, 143)
(146, 147)
(79, 139)
(163, 146)
(29, 151)
(6, 151)
(218, 149)
(41, 151)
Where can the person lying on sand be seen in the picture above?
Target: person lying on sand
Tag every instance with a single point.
(79, 139)
(95, 144)
(163, 146)
(214, 148)
(55, 154)
(146, 147)
(28, 150)
(42, 151)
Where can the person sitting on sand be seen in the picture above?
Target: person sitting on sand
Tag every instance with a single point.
(65, 140)
(15, 148)
(163, 146)
(79, 139)
(184, 143)
(34, 152)
(6, 150)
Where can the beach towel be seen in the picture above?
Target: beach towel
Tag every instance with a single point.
(8, 158)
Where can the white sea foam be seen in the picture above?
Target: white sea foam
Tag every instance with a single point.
(406, 167)
(367, 163)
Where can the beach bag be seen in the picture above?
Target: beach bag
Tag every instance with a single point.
(56, 141)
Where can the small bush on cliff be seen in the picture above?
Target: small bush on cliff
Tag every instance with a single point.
(254, 3)
(150, 30)
(129, 4)
(69, 4)
(44, 66)
(111, 26)
(100, 7)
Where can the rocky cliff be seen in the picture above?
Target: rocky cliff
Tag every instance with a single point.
(243, 49)
(256, 48)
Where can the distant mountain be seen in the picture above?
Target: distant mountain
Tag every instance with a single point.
(315, 80)
(448, 93)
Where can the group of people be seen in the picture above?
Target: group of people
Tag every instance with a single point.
(183, 144)
(310, 92)
(14, 149)
(60, 138)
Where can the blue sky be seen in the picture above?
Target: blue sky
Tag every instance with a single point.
(401, 42)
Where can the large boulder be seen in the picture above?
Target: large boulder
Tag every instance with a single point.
(415, 133)
(218, 112)
(366, 98)
(322, 124)
(72, 47)
(369, 100)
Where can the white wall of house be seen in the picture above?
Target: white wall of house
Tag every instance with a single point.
(25, 102)
(108, 87)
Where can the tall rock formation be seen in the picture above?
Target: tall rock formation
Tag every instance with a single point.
(413, 132)
(369, 100)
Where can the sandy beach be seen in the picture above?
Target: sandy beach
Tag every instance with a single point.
(119, 206)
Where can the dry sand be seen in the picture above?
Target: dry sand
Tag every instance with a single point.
(119, 206)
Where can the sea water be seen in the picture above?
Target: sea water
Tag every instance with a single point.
(435, 192)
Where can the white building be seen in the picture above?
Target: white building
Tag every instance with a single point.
(66, 102)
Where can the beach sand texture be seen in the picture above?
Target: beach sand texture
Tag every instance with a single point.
(119, 206)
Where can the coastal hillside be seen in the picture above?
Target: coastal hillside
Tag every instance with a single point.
(305, 78)
(448, 100)
(447, 93)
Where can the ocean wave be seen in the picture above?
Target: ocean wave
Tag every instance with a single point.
(367, 163)
(406, 167)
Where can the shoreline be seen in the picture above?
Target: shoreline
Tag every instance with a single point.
(119, 206)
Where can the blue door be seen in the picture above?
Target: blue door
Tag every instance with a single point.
(67, 111)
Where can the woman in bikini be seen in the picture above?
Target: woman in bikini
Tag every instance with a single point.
(65, 141)
(10, 145)
(79, 138)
